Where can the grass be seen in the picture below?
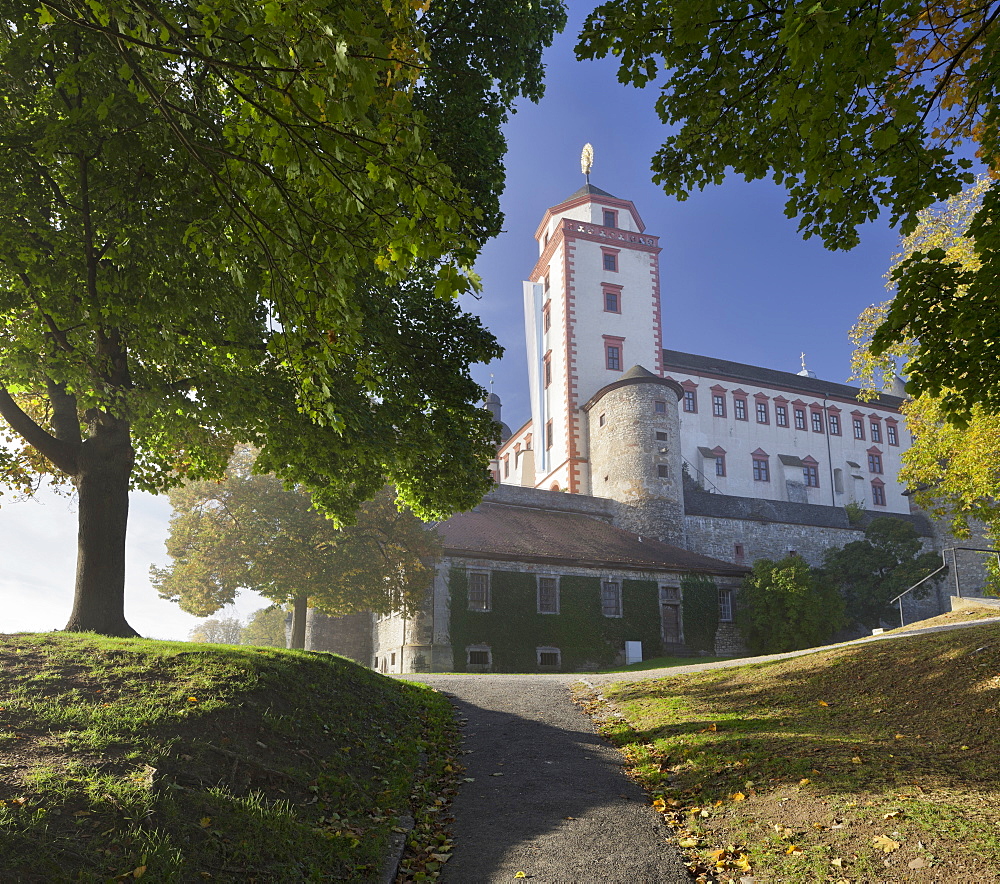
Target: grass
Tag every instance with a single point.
(872, 763)
(176, 763)
(665, 663)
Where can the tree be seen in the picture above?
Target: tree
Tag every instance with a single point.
(870, 572)
(223, 223)
(265, 627)
(952, 470)
(251, 532)
(856, 108)
(219, 631)
(786, 605)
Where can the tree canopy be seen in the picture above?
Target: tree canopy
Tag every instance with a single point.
(786, 606)
(251, 532)
(856, 108)
(247, 221)
(953, 470)
(870, 572)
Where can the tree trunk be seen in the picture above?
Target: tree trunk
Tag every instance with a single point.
(102, 480)
(299, 610)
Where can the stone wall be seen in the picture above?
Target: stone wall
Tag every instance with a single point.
(349, 636)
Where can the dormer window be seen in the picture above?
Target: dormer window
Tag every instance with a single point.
(610, 218)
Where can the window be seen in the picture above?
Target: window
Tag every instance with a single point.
(876, 431)
(859, 428)
(817, 421)
(838, 481)
(479, 657)
(602, 420)
(762, 413)
(610, 218)
(800, 418)
(659, 406)
(834, 425)
(690, 402)
(548, 595)
(781, 415)
(479, 590)
(611, 598)
(891, 435)
(506, 465)
(810, 473)
(546, 282)
(720, 465)
(546, 317)
(738, 553)
(548, 658)
(547, 368)
(662, 436)
(611, 262)
(740, 409)
(548, 433)
(718, 405)
(611, 303)
(725, 606)
(761, 473)
(874, 463)
(662, 471)
(613, 354)
(878, 493)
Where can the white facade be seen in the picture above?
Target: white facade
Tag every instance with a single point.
(592, 311)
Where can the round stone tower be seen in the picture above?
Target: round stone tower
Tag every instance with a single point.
(635, 452)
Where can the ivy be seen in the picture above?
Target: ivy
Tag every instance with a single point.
(700, 609)
(513, 629)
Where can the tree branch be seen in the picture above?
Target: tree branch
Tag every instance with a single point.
(63, 455)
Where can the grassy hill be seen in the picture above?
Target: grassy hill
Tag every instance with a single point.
(873, 763)
(176, 762)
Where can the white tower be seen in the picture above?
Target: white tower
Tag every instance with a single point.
(592, 311)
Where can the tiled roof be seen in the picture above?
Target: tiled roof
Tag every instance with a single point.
(767, 377)
(529, 534)
(589, 189)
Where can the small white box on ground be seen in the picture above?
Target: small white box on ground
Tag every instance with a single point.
(633, 653)
(877, 631)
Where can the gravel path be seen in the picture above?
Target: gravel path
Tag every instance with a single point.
(548, 796)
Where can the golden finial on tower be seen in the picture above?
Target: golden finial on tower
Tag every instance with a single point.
(587, 160)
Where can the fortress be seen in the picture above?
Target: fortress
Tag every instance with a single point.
(639, 465)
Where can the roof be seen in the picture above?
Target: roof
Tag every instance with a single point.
(588, 189)
(532, 534)
(769, 377)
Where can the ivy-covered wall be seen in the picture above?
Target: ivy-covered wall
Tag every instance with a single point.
(513, 629)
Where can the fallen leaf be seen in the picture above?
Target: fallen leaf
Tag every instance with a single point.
(138, 872)
(918, 863)
(793, 850)
(884, 842)
(688, 842)
(900, 737)
(660, 805)
(805, 781)
(520, 875)
(739, 796)
(205, 822)
(823, 703)
(496, 774)
(468, 779)
(441, 857)
(837, 863)
(856, 760)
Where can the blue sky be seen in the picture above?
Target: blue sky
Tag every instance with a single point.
(737, 282)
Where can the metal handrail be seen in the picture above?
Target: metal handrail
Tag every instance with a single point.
(944, 564)
(705, 479)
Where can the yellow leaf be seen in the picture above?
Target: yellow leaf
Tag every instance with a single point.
(688, 842)
(742, 863)
(192, 699)
(520, 875)
(660, 805)
(805, 781)
(823, 703)
(883, 842)
(837, 863)
(139, 872)
(900, 736)
(739, 796)
(856, 760)
(717, 855)
(205, 822)
(792, 850)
